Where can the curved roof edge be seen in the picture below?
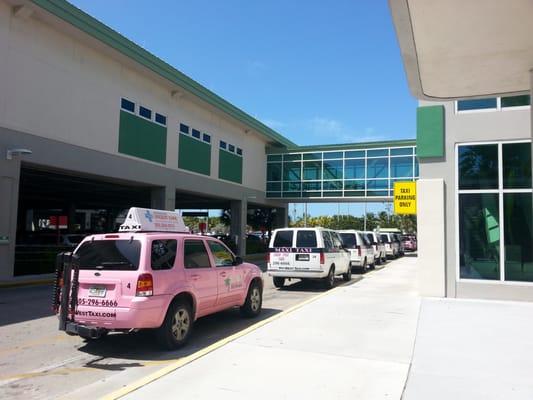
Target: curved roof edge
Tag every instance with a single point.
(96, 29)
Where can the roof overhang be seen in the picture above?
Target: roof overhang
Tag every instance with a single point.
(465, 48)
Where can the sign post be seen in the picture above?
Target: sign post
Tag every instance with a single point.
(404, 197)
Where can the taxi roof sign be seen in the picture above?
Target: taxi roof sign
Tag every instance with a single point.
(149, 220)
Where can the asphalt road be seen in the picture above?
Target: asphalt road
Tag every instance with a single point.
(39, 362)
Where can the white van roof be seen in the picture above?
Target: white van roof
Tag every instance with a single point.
(150, 220)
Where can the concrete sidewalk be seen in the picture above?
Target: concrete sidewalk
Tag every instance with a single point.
(358, 342)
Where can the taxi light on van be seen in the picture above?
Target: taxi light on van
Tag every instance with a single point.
(145, 285)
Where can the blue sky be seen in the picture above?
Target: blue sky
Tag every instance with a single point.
(317, 72)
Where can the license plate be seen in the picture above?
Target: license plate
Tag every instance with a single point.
(97, 291)
(302, 257)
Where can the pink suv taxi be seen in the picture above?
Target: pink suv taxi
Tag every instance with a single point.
(162, 279)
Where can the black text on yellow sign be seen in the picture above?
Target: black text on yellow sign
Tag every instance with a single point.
(404, 197)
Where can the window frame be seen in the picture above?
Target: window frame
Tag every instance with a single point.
(130, 101)
(214, 265)
(483, 110)
(152, 112)
(500, 191)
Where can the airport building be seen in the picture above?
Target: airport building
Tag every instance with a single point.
(92, 124)
(471, 65)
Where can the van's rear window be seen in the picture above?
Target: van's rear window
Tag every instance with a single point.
(120, 255)
(283, 239)
(306, 239)
(348, 240)
(385, 239)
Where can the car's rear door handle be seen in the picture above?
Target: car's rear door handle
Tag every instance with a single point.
(195, 277)
(223, 274)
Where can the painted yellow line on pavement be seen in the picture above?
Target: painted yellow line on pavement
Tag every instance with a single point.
(188, 359)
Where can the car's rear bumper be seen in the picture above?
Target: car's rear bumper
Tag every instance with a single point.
(297, 274)
(145, 313)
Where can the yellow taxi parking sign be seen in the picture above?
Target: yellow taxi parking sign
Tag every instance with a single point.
(404, 197)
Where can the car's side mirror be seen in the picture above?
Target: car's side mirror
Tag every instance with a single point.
(238, 261)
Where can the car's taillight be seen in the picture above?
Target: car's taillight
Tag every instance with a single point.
(322, 258)
(145, 285)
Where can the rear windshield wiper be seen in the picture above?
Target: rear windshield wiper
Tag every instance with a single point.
(115, 263)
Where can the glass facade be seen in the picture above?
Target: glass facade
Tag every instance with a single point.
(495, 214)
(340, 174)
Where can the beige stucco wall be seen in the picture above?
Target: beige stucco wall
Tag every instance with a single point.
(55, 86)
(482, 126)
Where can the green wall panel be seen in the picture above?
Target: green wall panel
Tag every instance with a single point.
(229, 166)
(430, 131)
(194, 155)
(141, 138)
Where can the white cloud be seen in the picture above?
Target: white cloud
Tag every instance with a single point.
(334, 131)
(273, 123)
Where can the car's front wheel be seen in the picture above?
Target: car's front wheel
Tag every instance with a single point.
(254, 300)
(177, 326)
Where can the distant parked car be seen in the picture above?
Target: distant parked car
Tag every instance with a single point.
(380, 254)
(361, 249)
(392, 247)
(307, 253)
(409, 242)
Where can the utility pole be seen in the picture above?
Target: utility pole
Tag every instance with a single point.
(305, 215)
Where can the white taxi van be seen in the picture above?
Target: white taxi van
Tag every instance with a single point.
(307, 253)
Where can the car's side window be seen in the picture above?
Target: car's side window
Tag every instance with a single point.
(328, 243)
(163, 254)
(336, 241)
(223, 257)
(195, 255)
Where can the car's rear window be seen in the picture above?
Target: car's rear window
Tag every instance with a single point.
(122, 255)
(306, 239)
(384, 239)
(283, 239)
(349, 240)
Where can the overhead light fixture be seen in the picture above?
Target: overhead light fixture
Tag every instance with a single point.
(16, 152)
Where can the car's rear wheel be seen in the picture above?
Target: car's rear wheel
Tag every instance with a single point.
(177, 326)
(329, 281)
(364, 267)
(254, 300)
(279, 282)
(347, 276)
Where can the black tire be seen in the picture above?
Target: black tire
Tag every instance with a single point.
(329, 281)
(364, 267)
(177, 325)
(347, 276)
(254, 300)
(279, 282)
(378, 261)
(372, 266)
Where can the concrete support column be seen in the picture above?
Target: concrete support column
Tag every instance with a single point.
(431, 232)
(164, 198)
(9, 197)
(239, 209)
(282, 218)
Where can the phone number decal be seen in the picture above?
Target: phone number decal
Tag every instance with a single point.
(97, 302)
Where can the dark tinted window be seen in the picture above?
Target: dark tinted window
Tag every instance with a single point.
(110, 255)
(517, 166)
(384, 238)
(207, 138)
(283, 239)
(476, 104)
(478, 167)
(145, 112)
(239, 151)
(196, 133)
(306, 239)
(184, 128)
(369, 237)
(349, 240)
(163, 254)
(222, 145)
(516, 101)
(195, 255)
(127, 105)
(231, 148)
(161, 119)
